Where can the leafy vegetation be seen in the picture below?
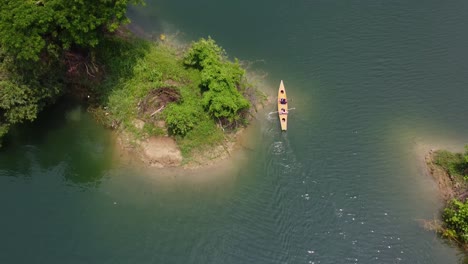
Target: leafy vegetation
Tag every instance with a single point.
(137, 86)
(221, 80)
(154, 83)
(455, 214)
(39, 39)
(33, 30)
(455, 217)
(24, 92)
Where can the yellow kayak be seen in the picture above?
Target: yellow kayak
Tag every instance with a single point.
(283, 107)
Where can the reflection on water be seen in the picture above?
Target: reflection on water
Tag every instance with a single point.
(63, 141)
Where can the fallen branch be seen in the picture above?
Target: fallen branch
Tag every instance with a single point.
(159, 110)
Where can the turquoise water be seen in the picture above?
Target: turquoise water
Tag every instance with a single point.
(374, 84)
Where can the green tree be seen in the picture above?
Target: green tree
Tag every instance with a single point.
(34, 36)
(221, 80)
(22, 96)
(33, 30)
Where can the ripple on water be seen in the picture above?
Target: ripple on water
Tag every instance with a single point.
(277, 148)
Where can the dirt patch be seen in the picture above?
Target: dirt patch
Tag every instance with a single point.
(444, 182)
(213, 155)
(161, 152)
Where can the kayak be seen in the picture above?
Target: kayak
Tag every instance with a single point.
(283, 107)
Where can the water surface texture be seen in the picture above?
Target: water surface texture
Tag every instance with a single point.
(374, 85)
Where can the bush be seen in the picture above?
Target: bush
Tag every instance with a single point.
(221, 80)
(204, 52)
(180, 119)
(455, 217)
(224, 104)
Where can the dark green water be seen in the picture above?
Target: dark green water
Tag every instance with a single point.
(375, 84)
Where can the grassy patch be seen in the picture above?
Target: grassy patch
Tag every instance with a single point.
(206, 134)
(453, 163)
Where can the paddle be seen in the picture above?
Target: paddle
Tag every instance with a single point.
(294, 108)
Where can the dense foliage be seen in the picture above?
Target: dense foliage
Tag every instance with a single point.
(24, 92)
(33, 29)
(180, 118)
(221, 80)
(34, 38)
(456, 220)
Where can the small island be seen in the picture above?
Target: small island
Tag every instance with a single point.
(170, 104)
(450, 170)
(176, 105)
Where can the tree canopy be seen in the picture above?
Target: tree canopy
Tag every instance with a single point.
(30, 29)
(34, 35)
(221, 80)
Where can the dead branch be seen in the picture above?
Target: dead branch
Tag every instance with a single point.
(159, 110)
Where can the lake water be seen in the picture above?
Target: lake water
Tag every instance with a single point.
(374, 84)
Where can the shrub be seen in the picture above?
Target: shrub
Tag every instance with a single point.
(455, 217)
(221, 80)
(202, 53)
(180, 119)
